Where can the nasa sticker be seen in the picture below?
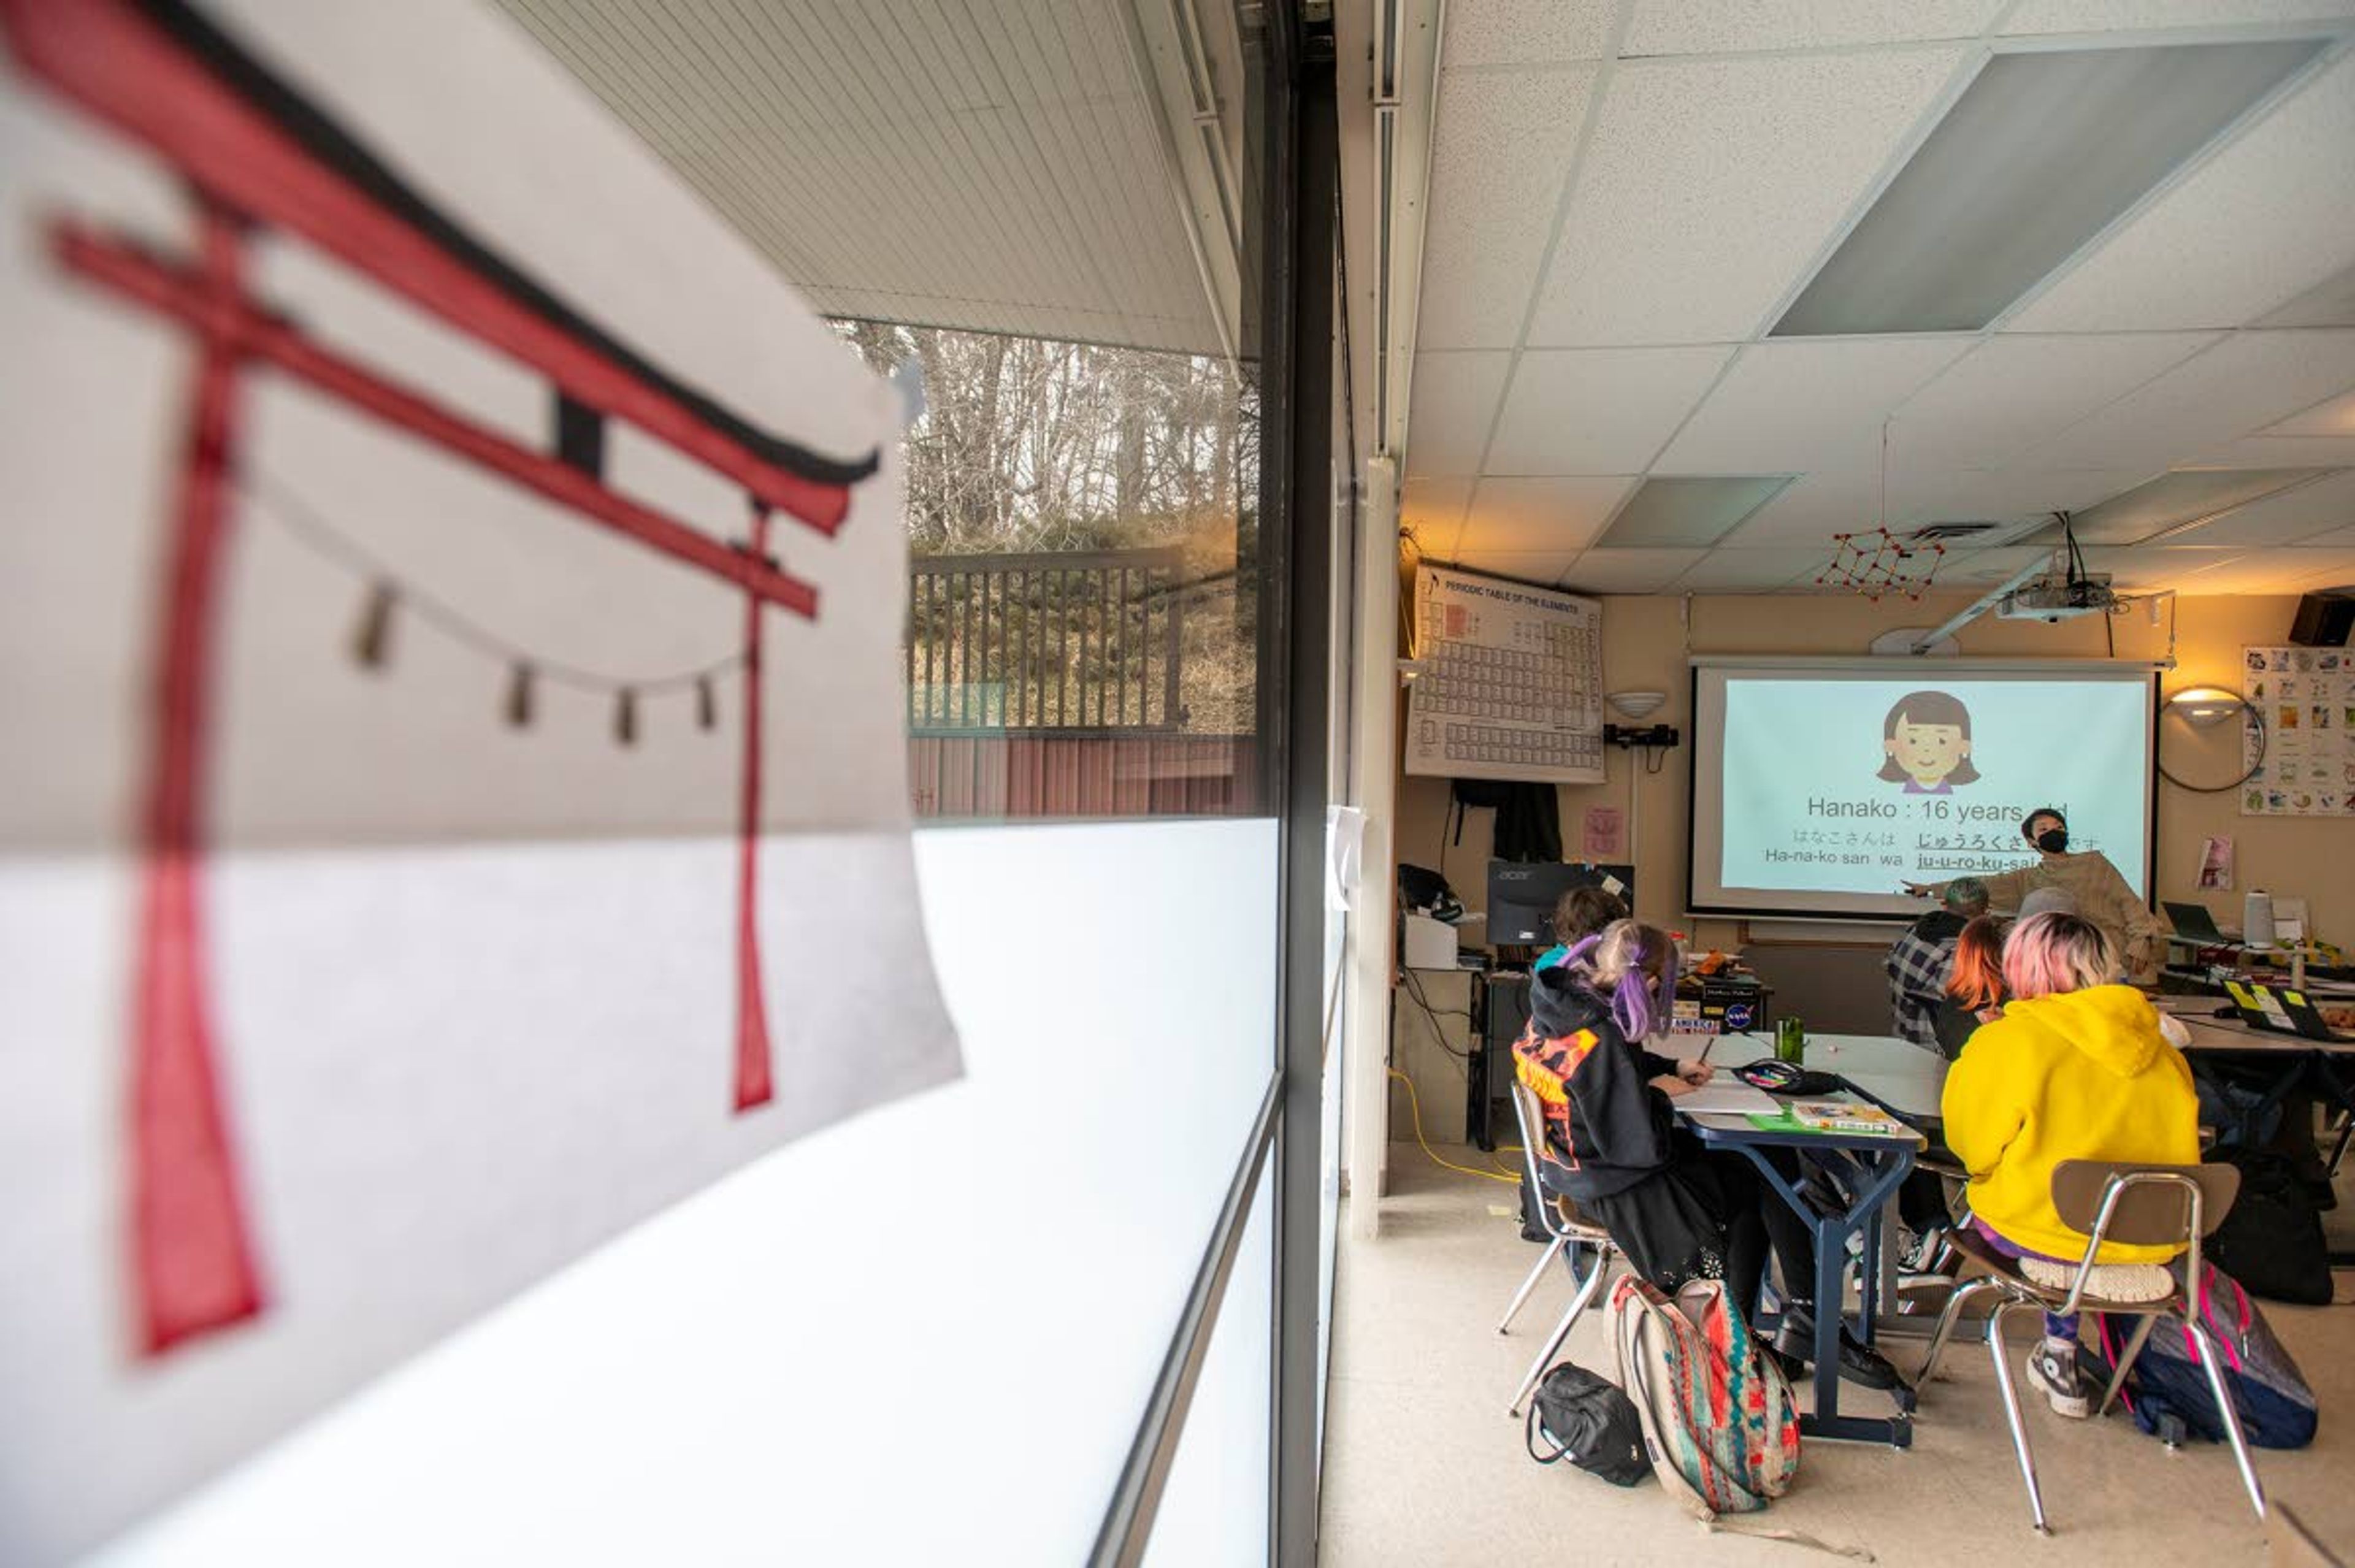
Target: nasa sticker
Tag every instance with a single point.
(1737, 1016)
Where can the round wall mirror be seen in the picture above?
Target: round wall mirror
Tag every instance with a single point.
(2209, 740)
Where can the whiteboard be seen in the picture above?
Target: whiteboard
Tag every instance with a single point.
(1512, 681)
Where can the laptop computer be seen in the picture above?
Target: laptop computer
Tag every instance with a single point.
(2194, 924)
(2282, 1012)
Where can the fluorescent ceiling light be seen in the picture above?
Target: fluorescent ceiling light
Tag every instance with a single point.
(2042, 152)
(2174, 502)
(2330, 303)
(1683, 512)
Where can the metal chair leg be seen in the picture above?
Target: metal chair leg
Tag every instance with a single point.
(2125, 1362)
(2213, 1365)
(1505, 1324)
(2012, 1413)
(1587, 1289)
(1947, 1317)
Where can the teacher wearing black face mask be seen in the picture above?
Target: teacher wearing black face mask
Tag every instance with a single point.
(2093, 884)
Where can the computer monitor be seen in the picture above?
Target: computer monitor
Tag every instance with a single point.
(1522, 893)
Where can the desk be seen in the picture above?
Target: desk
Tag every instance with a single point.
(1869, 1170)
(2326, 1066)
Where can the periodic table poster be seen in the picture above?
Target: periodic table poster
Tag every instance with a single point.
(1512, 682)
(2308, 698)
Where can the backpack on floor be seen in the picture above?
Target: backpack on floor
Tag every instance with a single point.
(2271, 1240)
(1719, 1425)
(2168, 1394)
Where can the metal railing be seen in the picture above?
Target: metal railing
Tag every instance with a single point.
(1077, 641)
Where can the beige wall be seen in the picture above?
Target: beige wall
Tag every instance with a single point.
(1645, 641)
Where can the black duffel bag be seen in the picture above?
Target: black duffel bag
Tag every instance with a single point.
(1588, 1421)
(2272, 1238)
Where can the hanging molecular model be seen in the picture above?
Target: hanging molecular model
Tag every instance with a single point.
(1877, 563)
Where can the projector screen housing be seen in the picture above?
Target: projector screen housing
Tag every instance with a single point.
(1800, 810)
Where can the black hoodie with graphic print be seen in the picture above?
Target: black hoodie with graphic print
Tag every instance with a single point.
(1606, 1126)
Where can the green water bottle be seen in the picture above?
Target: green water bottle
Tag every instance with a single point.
(1791, 1041)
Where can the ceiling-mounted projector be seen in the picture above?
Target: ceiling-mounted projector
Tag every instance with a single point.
(2059, 598)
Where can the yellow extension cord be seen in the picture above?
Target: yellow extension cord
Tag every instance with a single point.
(1415, 1106)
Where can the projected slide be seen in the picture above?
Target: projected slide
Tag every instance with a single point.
(1824, 790)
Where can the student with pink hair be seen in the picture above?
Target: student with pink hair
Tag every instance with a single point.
(2077, 1067)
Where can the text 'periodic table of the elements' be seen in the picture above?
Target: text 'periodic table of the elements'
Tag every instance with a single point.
(1512, 685)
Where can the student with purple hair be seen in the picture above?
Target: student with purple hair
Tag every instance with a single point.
(1678, 1210)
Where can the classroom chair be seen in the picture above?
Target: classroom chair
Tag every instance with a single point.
(2141, 1205)
(1567, 1233)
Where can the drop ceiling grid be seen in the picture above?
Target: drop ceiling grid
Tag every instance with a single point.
(1452, 406)
(2009, 390)
(2118, 16)
(2247, 380)
(2289, 516)
(1802, 405)
(1500, 147)
(1638, 571)
(1683, 28)
(1597, 411)
(2263, 220)
(1544, 512)
(1524, 32)
(1724, 571)
(1708, 185)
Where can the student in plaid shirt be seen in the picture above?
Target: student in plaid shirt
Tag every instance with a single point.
(1919, 961)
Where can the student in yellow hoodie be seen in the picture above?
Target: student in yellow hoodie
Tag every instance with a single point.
(2076, 1068)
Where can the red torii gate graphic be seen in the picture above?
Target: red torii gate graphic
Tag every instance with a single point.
(257, 154)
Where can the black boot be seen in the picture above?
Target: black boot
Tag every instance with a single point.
(1794, 1339)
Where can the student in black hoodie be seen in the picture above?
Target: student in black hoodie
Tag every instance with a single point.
(1678, 1210)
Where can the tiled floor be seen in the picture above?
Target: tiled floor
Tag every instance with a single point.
(1423, 1467)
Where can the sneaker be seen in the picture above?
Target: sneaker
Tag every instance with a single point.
(1921, 1249)
(1860, 1363)
(2053, 1369)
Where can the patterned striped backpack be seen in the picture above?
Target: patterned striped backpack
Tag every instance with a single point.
(1719, 1425)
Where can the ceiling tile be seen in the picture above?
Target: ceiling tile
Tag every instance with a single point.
(2330, 303)
(2293, 515)
(1525, 32)
(1751, 570)
(1711, 186)
(2258, 224)
(2290, 571)
(1598, 410)
(1816, 507)
(2001, 494)
(1433, 511)
(2011, 390)
(1686, 510)
(1680, 27)
(1985, 569)
(2277, 452)
(2098, 16)
(1629, 570)
(1792, 406)
(2151, 512)
(1449, 410)
(1542, 568)
(2249, 379)
(2144, 567)
(2332, 416)
(1501, 145)
(1541, 514)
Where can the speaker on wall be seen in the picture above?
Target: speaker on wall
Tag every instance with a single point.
(2324, 619)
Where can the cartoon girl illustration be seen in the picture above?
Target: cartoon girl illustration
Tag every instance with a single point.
(1926, 741)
